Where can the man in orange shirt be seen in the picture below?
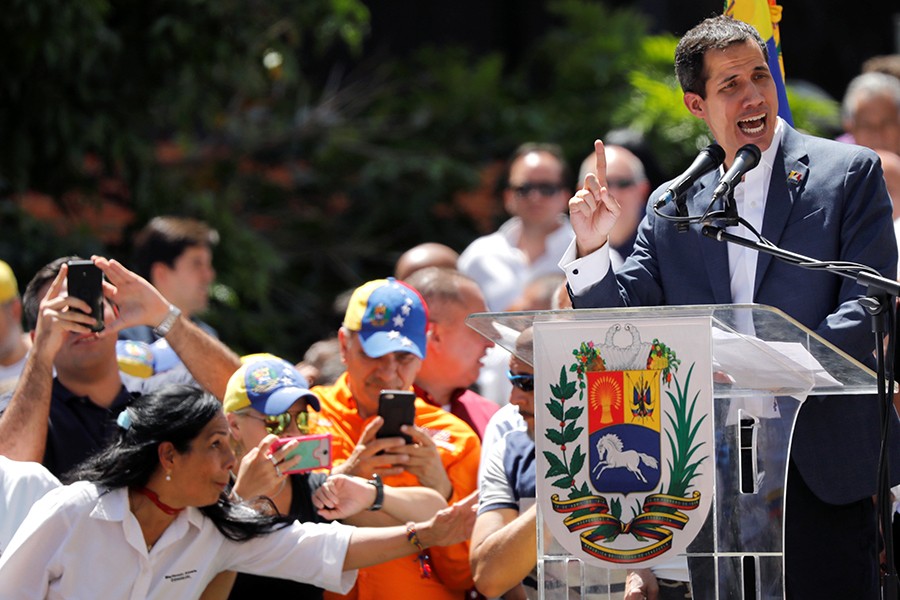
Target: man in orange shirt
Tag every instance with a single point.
(383, 341)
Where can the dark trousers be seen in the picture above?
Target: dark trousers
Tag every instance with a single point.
(831, 551)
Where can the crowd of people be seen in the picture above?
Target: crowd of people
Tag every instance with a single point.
(154, 444)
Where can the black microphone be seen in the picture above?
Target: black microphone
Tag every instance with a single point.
(709, 158)
(747, 158)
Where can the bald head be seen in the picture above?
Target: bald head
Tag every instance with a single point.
(429, 254)
(628, 184)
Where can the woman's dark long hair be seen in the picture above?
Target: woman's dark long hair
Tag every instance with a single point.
(176, 414)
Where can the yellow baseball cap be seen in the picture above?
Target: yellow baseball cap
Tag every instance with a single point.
(9, 289)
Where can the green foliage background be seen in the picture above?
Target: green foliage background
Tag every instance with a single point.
(317, 172)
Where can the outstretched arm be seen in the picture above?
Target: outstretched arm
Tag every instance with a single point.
(209, 360)
(349, 498)
(374, 545)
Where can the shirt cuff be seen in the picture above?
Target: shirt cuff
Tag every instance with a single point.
(585, 272)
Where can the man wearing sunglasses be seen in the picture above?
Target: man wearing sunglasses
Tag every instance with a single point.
(527, 245)
(504, 542)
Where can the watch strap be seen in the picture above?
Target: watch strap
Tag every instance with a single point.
(379, 492)
(166, 325)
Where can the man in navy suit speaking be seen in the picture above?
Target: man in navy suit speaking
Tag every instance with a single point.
(808, 195)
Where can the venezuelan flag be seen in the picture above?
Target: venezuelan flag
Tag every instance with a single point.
(765, 15)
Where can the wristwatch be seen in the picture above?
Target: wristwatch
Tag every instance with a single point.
(379, 492)
(166, 325)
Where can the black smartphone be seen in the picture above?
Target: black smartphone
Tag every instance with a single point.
(85, 281)
(396, 407)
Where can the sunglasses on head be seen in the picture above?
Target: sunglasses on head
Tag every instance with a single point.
(544, 189)
(523, 381)
(277, 424)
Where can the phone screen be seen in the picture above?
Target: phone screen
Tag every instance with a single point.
(396, 407)
(85, 281)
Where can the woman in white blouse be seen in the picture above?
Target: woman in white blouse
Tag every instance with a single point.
(150, 519)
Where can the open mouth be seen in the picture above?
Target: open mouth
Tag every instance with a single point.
(85, 338)
(753, 125)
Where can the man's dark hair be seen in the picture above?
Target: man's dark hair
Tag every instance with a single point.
(164, 239)
(714, 33)
(31, 299)
(552, 149)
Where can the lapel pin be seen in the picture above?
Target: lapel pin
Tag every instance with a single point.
(795, 177)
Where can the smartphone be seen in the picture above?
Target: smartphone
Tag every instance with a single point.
(396, 407)
(314, 451)
(85, 281)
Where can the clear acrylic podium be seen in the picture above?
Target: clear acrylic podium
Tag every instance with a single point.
(765, 365)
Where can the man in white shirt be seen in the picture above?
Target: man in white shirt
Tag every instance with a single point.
(530, 243)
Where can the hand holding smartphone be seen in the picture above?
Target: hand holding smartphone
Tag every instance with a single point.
(314, 452)
(85, 281)
(396, 407)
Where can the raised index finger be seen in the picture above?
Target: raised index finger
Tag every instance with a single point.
(57, 283)
(600, 157)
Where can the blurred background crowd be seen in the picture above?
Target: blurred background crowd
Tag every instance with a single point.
(322, 139)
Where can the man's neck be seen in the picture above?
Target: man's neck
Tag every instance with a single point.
(533, 240)
(102, 389)
(440, 391)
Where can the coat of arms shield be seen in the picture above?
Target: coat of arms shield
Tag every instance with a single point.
(624, 436)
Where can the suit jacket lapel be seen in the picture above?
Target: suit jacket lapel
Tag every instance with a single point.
(789, 176)
(714, 253)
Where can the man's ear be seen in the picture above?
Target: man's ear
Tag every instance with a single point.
(234, 425)
(158, 273)
(695, 104)
(509, 202)
(344, 343)
(433, 332)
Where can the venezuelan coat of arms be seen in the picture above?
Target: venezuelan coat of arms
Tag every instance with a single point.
(624, 436)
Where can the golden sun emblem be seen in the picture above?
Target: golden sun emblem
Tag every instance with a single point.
(605, 394)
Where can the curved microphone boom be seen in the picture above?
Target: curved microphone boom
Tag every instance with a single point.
(745, 159)
(709, 158)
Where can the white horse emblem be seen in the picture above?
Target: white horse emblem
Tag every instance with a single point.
(610, 455)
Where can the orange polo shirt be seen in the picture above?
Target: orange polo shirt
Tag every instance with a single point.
(459, 449)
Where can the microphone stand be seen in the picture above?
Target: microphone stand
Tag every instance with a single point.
(881, 295)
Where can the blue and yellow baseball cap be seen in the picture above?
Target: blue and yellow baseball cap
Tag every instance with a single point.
(9, 289)
(268, 384)
(390, 316)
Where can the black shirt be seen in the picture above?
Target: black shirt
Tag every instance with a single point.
(78, 428)
(252, 587)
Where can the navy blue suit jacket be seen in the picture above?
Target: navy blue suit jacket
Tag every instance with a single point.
(835, 207)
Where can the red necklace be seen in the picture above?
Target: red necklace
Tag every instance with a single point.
(159, 503)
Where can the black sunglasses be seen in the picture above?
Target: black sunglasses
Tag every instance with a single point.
(620, 183)
(544, 189)
(523, 381)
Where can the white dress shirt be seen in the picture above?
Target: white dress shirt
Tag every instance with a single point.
(21, 485)
(502, 270)
(79, 542)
